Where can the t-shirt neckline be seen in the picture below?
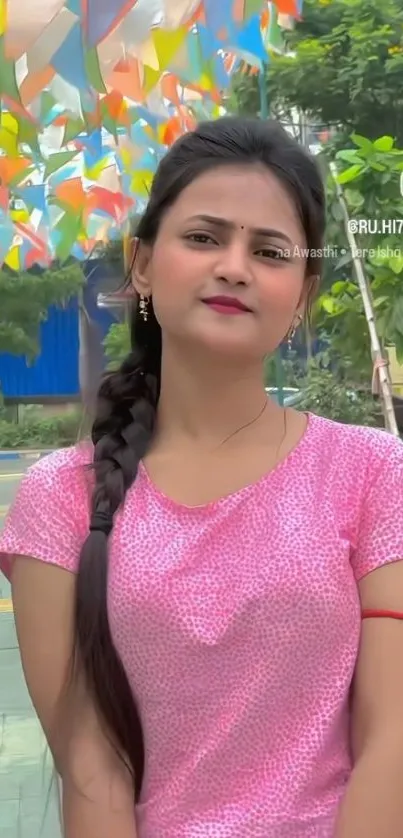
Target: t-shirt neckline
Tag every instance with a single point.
(272, 474)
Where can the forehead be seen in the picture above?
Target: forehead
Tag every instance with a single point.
(248, 196)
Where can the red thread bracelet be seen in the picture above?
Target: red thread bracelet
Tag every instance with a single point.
(393, 615)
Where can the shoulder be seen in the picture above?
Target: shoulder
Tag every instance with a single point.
(62, 478)
(49, 516)
(363, 450)
(64, 468)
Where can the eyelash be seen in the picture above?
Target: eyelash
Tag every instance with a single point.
(275, 253)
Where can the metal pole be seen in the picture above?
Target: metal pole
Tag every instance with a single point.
(381, 367)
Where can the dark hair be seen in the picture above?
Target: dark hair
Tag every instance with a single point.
(128, 398)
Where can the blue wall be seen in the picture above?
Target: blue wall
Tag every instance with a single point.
(54, 374)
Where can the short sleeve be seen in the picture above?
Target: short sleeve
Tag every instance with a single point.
(49, 517)
(379, 539)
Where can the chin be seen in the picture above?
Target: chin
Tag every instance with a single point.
(228, 346)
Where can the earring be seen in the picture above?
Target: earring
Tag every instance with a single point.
(293, 330)
(144, 307)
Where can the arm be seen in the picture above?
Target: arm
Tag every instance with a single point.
(373, 804)
(98, 797)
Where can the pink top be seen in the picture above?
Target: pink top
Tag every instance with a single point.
(238, 623)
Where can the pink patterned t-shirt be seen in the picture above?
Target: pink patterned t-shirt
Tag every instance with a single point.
(238, 624)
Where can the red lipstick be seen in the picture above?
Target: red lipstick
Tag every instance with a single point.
(227, 305)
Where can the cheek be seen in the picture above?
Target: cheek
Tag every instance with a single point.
(172, 271)
(282, 291)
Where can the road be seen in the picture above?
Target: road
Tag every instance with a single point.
(28, 801)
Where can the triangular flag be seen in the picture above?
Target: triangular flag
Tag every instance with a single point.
(4, 198)
(74, 6)
(6, 236)
(8, 81)
(103, 16)
(56, 161)
(9, 134)
(218, 14)
(249, 40)
(73, 128)
(167, 43)
(34, 196)
(69, 59)
(71, 194)
(252, 7)
(209, 45)
(68, 230)
(3, 16)
(12, 260)
(151, 78)
(94, 71)
(141, 183)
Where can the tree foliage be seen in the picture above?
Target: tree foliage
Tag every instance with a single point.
(370, 176)
(25, 301)
(117, 344)
(345, 69)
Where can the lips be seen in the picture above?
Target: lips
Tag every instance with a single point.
(229, 303)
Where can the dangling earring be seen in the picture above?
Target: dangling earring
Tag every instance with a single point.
(144, 307)
(293, 330)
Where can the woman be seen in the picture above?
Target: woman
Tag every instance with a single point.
(190, 611)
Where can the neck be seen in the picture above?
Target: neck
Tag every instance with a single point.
(204, 402)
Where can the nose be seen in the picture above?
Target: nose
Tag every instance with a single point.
(233, 265)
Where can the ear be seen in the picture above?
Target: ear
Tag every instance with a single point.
(140, 272)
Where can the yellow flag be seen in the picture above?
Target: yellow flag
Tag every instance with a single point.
(13, 258)
(3, 16)
(94, 172)
(9, 134)
(167, 44)
(141, 183)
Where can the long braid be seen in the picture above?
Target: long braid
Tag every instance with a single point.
(121, 434)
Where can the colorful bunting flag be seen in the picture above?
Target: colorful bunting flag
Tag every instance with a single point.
(93, 92)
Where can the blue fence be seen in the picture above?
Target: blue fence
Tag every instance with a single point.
(54, 375)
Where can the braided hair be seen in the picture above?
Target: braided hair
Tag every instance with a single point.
(128, 399)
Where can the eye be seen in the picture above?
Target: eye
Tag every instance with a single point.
(275, 253)
(200, 238)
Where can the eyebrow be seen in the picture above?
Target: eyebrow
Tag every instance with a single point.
(229, 225)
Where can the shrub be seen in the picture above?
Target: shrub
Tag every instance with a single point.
(328, 389)
(117, 344)
(53, 432)
(325, 394)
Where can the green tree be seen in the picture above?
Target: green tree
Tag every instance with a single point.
(370, 177)
(345, 69)
(25, 300)
(117, 344)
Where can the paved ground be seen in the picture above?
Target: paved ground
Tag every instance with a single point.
(28, 801)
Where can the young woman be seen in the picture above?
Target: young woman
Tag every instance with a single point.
(194, 611)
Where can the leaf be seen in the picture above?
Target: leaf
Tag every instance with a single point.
(328, 303)
(380, 301)
(349, 155)
(354, 198)
(378, 167)
(396, 264)
(362, 142)
(350, 174)
(344, 260)
(384, 143)
(338, 287)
